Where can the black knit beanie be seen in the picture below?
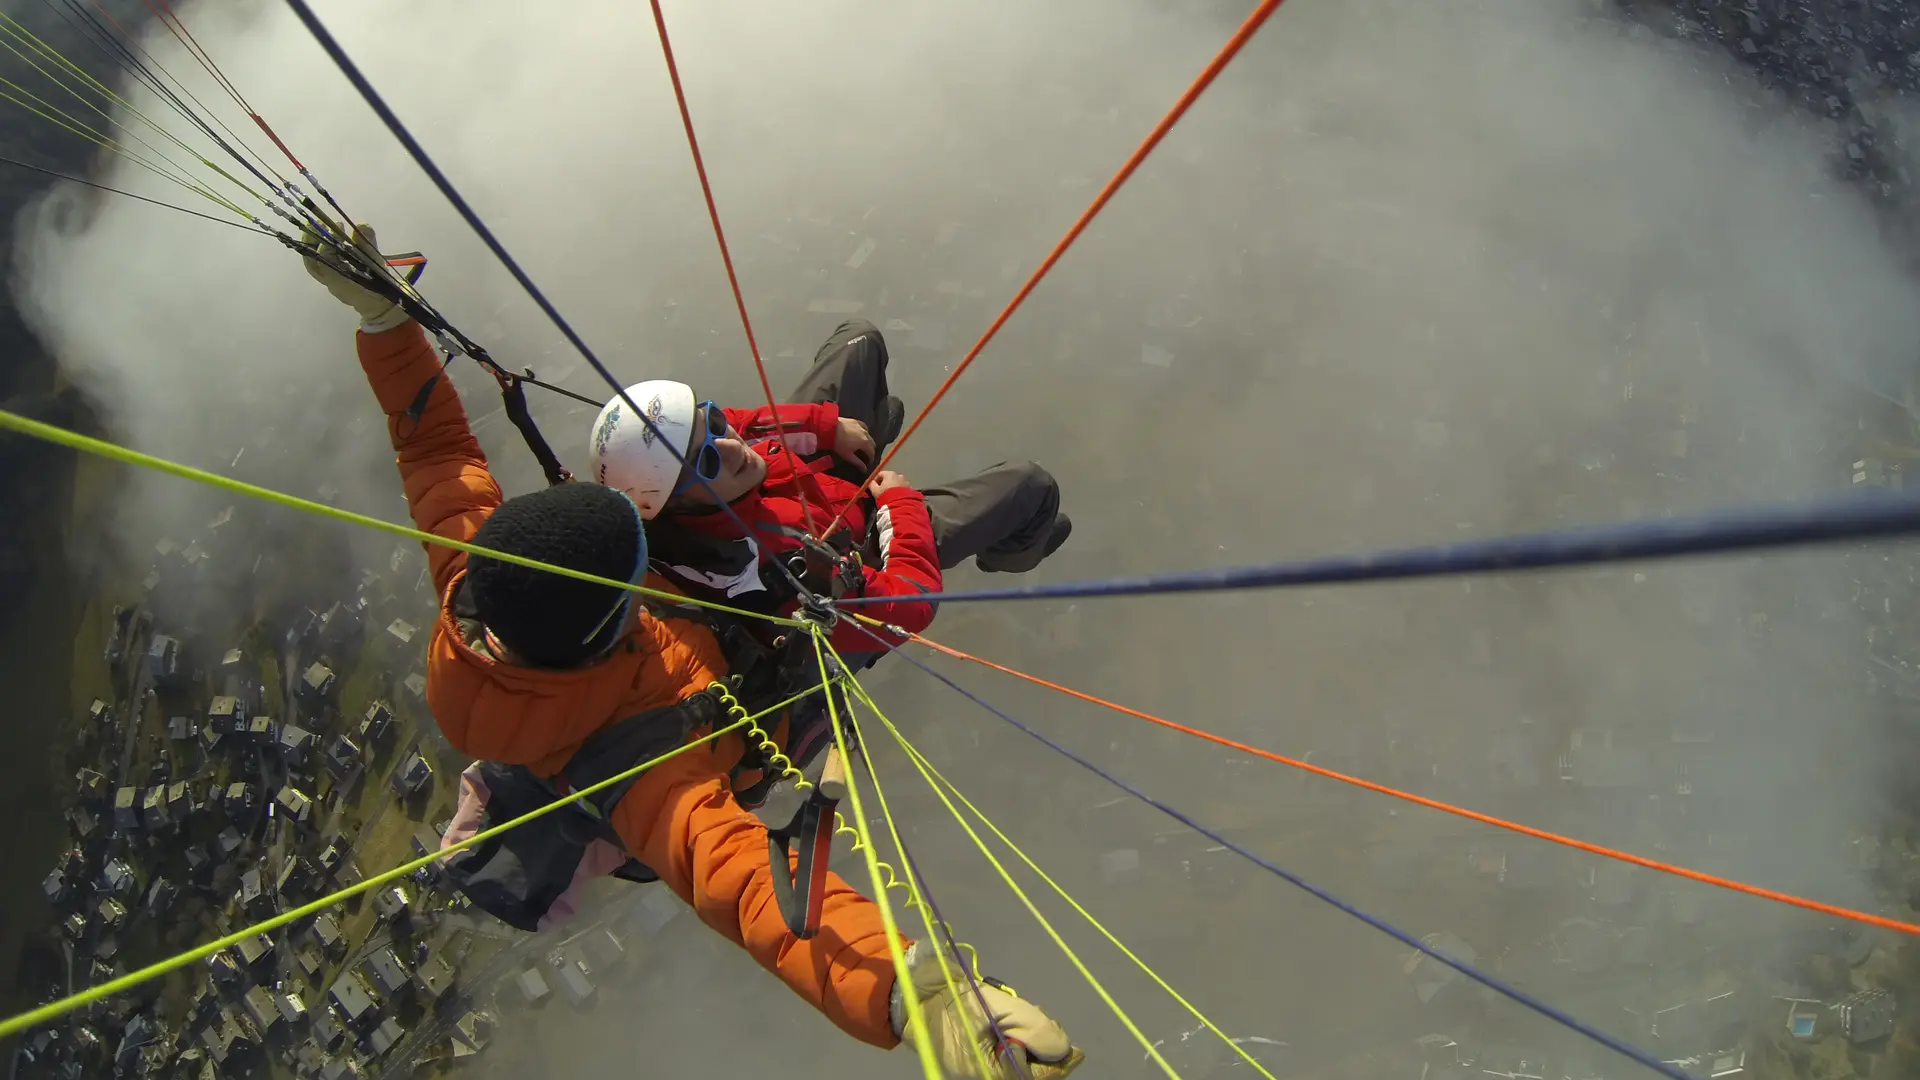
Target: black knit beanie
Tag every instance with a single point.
(542, 616)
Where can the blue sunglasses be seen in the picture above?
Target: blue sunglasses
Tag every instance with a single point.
(704, 463)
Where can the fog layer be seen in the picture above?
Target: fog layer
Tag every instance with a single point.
(1409, 272)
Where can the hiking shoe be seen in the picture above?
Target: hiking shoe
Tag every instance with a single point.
(1062, 528)
(892, 419)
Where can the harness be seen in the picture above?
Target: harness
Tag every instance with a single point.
(517, 875)
(763, 670)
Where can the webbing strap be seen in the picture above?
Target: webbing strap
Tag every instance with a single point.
(513, 395)
(802, 891)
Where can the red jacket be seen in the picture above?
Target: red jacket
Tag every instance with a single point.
(902, 532)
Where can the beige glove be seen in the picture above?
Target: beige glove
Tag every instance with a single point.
(956, 1026)
(377, 313)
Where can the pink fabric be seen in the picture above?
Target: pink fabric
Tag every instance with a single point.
(599, 860)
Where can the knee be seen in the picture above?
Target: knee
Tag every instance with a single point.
(1038, 483)
(855, 328)
(1034, 474)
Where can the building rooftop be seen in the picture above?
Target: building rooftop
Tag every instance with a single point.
(255, 953)
(412, 774)
(386, 1036)
(532, 986)
(378, 720)
(126, 808)
(473, 1030)
(391, 902)
(352, 998)
(343, 756)
(425, 841)
(293, 802)
(317, 681)
(385, 971)
(574, 984)
(253, 889)
(261, 1009)
(119, 878)
(327, 1032)
(326, 931)
(295, 741)
(1868, 1016)
(436, 976)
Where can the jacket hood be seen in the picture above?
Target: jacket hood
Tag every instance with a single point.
(517, 715)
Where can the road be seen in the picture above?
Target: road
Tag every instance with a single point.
(137, 681)
(400, 1061)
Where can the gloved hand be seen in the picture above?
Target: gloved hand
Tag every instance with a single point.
(377, 313)
(956, 1026)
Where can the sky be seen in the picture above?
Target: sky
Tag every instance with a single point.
(1403, 275)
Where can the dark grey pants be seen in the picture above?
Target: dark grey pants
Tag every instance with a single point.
(1001, 516)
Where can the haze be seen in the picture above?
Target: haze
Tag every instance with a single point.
(1409, 272)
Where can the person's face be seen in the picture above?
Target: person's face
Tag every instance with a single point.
(741, 470)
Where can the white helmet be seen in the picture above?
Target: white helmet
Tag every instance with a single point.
(626, 453)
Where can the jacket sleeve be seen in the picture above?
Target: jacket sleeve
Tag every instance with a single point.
(681, 821)
(449, 490)
(909, 567)
(810, 429)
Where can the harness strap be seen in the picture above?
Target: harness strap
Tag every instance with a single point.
(802, 891)
(513, 396)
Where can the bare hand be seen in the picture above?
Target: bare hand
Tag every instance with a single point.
(888, 480)
(853, 443)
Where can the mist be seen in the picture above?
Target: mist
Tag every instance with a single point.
(1407, 273)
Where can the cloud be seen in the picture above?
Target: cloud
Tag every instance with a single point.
(1408, 272)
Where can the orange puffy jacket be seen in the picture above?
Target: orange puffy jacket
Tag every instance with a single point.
(680, 818)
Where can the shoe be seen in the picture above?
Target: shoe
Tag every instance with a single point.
(1062, 528)
(891, 421)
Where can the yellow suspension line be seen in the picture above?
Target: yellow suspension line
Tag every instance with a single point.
(101, 448)
(921, 760)
(934, 939)
(86, 132)
(1060, 942)
(109, 117)
(52, 1010)
(916, 1026)
(22, 32)
(85, 127)
(781, 765)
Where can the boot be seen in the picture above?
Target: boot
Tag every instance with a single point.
(892, 418)
(1062, 528)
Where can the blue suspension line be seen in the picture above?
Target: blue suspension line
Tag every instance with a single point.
(1819, 521)
(1828, 521)
(419, 154)
(1618, 1046)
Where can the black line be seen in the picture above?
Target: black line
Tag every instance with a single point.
(354, 75)
(171, 206)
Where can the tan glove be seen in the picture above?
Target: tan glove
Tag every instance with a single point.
(956, 1026)
(377, 313)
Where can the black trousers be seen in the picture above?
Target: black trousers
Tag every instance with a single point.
(1001, 516)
